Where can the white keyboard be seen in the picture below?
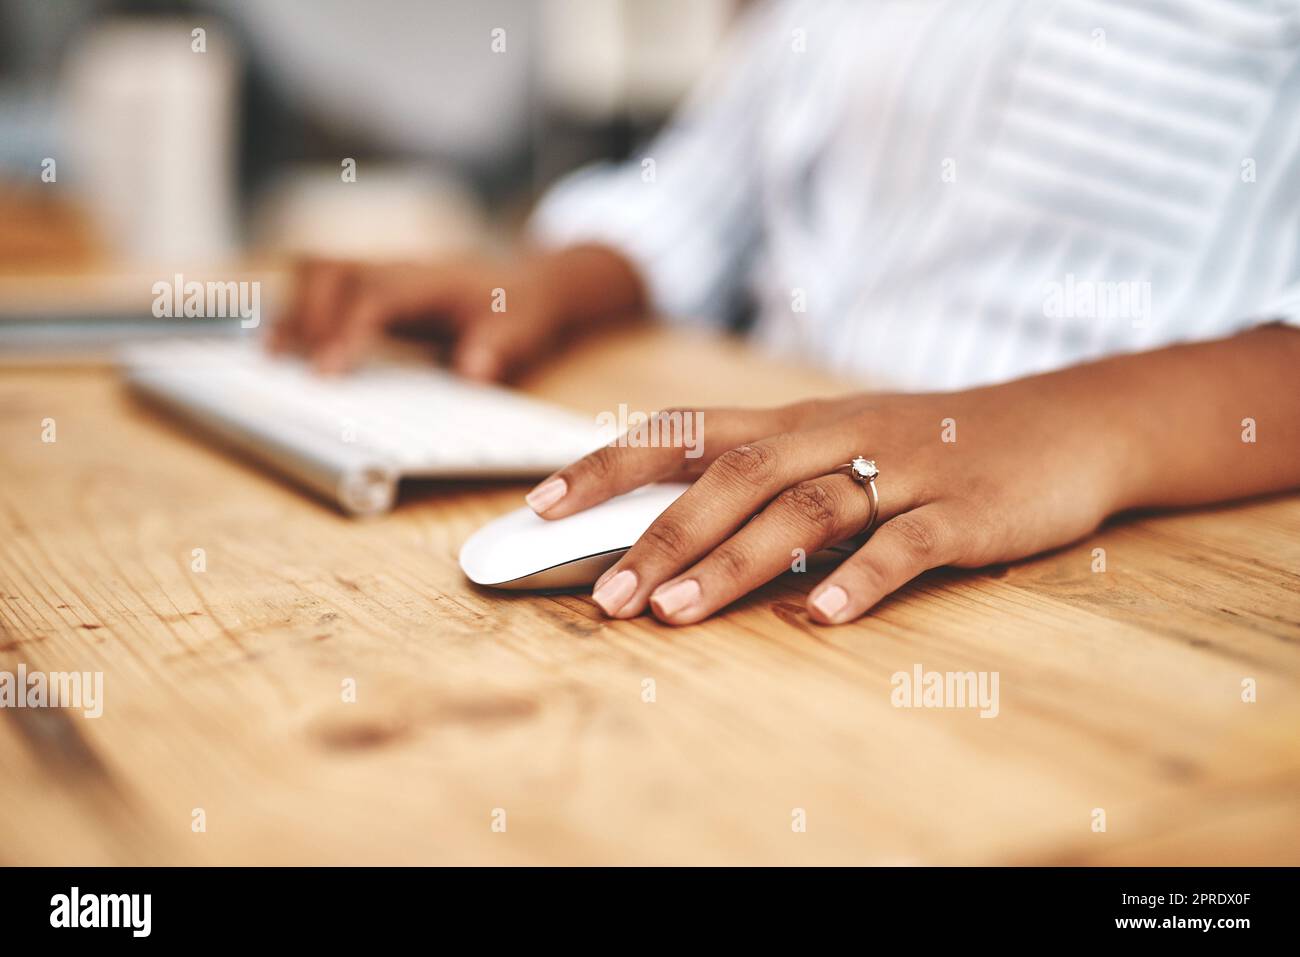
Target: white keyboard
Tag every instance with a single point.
(353, 437)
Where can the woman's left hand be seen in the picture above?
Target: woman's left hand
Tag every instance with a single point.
(967, 479)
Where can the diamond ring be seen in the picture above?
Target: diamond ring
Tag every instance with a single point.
(864, 472)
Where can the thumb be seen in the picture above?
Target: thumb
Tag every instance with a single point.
(494, 344)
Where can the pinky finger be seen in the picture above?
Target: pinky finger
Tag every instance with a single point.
(897, 552)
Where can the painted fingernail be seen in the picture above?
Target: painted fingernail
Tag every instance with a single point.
(605, 576)
(831, 602)
(331, 365)
(613, 594)
(478, 363)
(546, 494)
(670, 599)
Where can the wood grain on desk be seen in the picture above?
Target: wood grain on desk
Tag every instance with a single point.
(1119, 690)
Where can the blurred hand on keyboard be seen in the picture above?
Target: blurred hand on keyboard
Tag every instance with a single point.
(498, 316)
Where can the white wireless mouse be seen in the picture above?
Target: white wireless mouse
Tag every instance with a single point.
(521, 550)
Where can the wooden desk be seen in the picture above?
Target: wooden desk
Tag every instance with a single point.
(1119, 690)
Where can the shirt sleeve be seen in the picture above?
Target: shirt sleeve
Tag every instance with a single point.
(1283, 307)
(685, 209)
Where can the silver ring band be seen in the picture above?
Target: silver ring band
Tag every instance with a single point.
(863, 471)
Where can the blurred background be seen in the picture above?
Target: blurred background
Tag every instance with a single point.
(141, 137)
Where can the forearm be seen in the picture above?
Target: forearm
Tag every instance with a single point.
(1195, 423)
(588, 285)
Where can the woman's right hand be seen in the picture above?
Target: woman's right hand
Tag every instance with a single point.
(497, 316)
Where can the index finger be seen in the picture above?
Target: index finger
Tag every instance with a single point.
(317, 286)
(622, 465)
(735, 487)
